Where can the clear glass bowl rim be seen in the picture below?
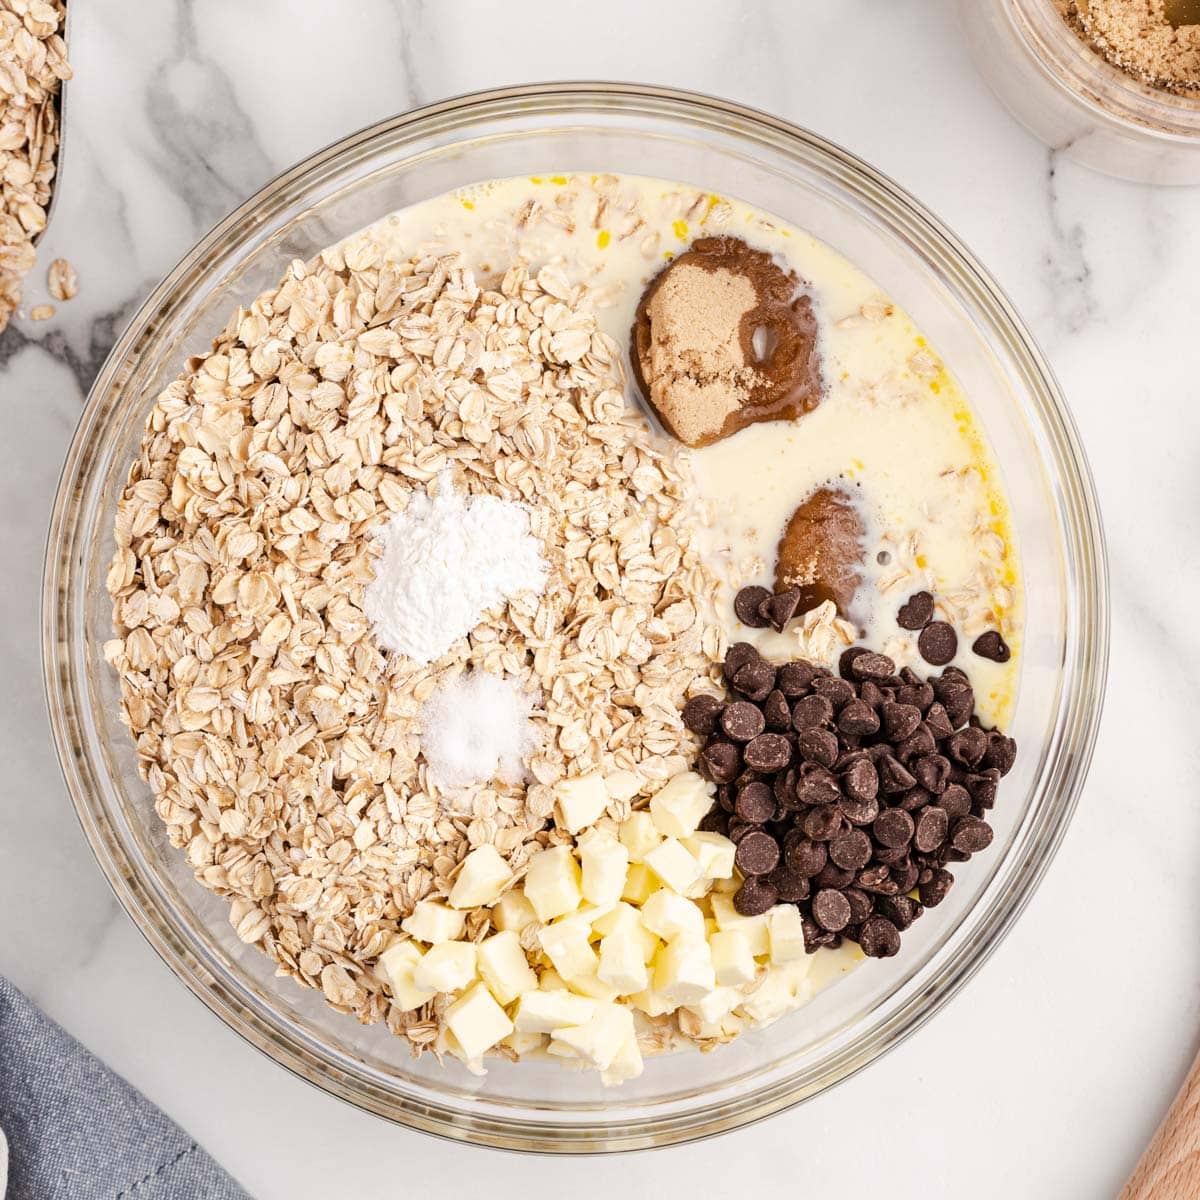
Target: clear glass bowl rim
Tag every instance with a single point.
(1084, 671)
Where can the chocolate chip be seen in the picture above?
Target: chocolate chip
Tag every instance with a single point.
(956, 800)
(823, 823)
(967, 747)
(721, 762)
(779, 609)
(851, 851)
(858, 719)
(871, 879)
(833, 876)
(899, 720)
(816, 784)
(959, 706)
(777, 712)
(871, 693)
(932, 827)
(737, 656)
(918, 743)
(831, 910)
(933, 890)
(701, 713)
(893, 828)
(790, 886)
(860, 904)
(795, 679)
(920, 696)
(836, 691)
(716, 821)
(768, 752)
(902, 911)
(931, 771)
(916, 612)
(872, 666)
(742, 721)
(937, 721)
(847, 657)
(861, 780)
(938, 643)
(755, 680)
(911, 800)
(757, 853)
(755, 803)
(746, 605)
(805, 856)
(755, 897)
(818, 745)
(893, 777)
(858, 812)
(983, 788)
(970, 835)
(811, 712)
(992, 645)
(1001, 752)
(879, 938)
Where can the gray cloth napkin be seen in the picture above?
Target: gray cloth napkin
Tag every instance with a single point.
(76, 1131)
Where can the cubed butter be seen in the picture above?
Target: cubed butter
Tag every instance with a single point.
(639, 835)
(652, 1003)
(683, 970)
(680, 804)
(774, 996)
(431, 921)
(477, 1021)
(502, 965)
(640, 883)
(713, 852)
(605, 864)
(525, 1043)
(733, 960)
(399, 961)
(668, 914)
(622, 964)
(625, 919)
(544, 1012)
(671, 862)
(513, 911)
(785, 933)
(599, 1041)
(481, 878)
(719, 1003)
(552, 883)
(753, 928)
(589, 983)
(626, 1065)
(566, 945)
(446, 967)
(581, 802)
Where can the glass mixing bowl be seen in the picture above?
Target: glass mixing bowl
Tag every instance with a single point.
(778, 168)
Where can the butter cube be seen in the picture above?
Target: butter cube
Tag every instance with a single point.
(477, 1021)
(673, 865)
(513, 911)
(626, 1065)
(552, 883)
(481, 878)
(431, 921)
(503, 966)
(774, 996)
(524, 1043)
(713, 852)
(785, 932)
(683, 970)
(600, 1040)
(753, 928)
(680, 804)
(622, 964)
(581, 802)
(627, 920)
(733, 960)
(719, 1003)
(544, 1012)
(550, 980)
(639, 835)
(652, 1003)
(605, 864)
(446, 967)
(640, 883)
(566, 945)
(623, 785)
(589, 983)
(399, 961)
(669, 915)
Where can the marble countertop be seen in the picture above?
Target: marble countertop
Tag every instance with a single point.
(1046, 1075)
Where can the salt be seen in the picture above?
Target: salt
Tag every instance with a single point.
(447, 559)
(475, 729)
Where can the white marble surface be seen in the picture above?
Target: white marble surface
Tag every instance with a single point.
(1047, 1074)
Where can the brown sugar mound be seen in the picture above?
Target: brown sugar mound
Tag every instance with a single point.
(821, 551)
(1140, 37)
(723, 339)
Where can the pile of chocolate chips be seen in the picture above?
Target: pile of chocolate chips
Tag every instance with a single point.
(844, 795)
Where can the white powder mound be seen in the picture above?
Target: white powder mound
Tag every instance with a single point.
(475, 729)
(446, 560)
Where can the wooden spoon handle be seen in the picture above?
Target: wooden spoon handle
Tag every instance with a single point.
(1170, 1167)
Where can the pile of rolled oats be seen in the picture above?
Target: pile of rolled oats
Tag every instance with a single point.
(33, 64)
(280, 742)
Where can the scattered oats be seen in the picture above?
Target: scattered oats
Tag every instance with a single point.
(41, 312)
(62, 281)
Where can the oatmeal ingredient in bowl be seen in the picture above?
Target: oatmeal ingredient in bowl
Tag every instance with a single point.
(475, 728)
(821, 551)
(447, 559)
(723, 338)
